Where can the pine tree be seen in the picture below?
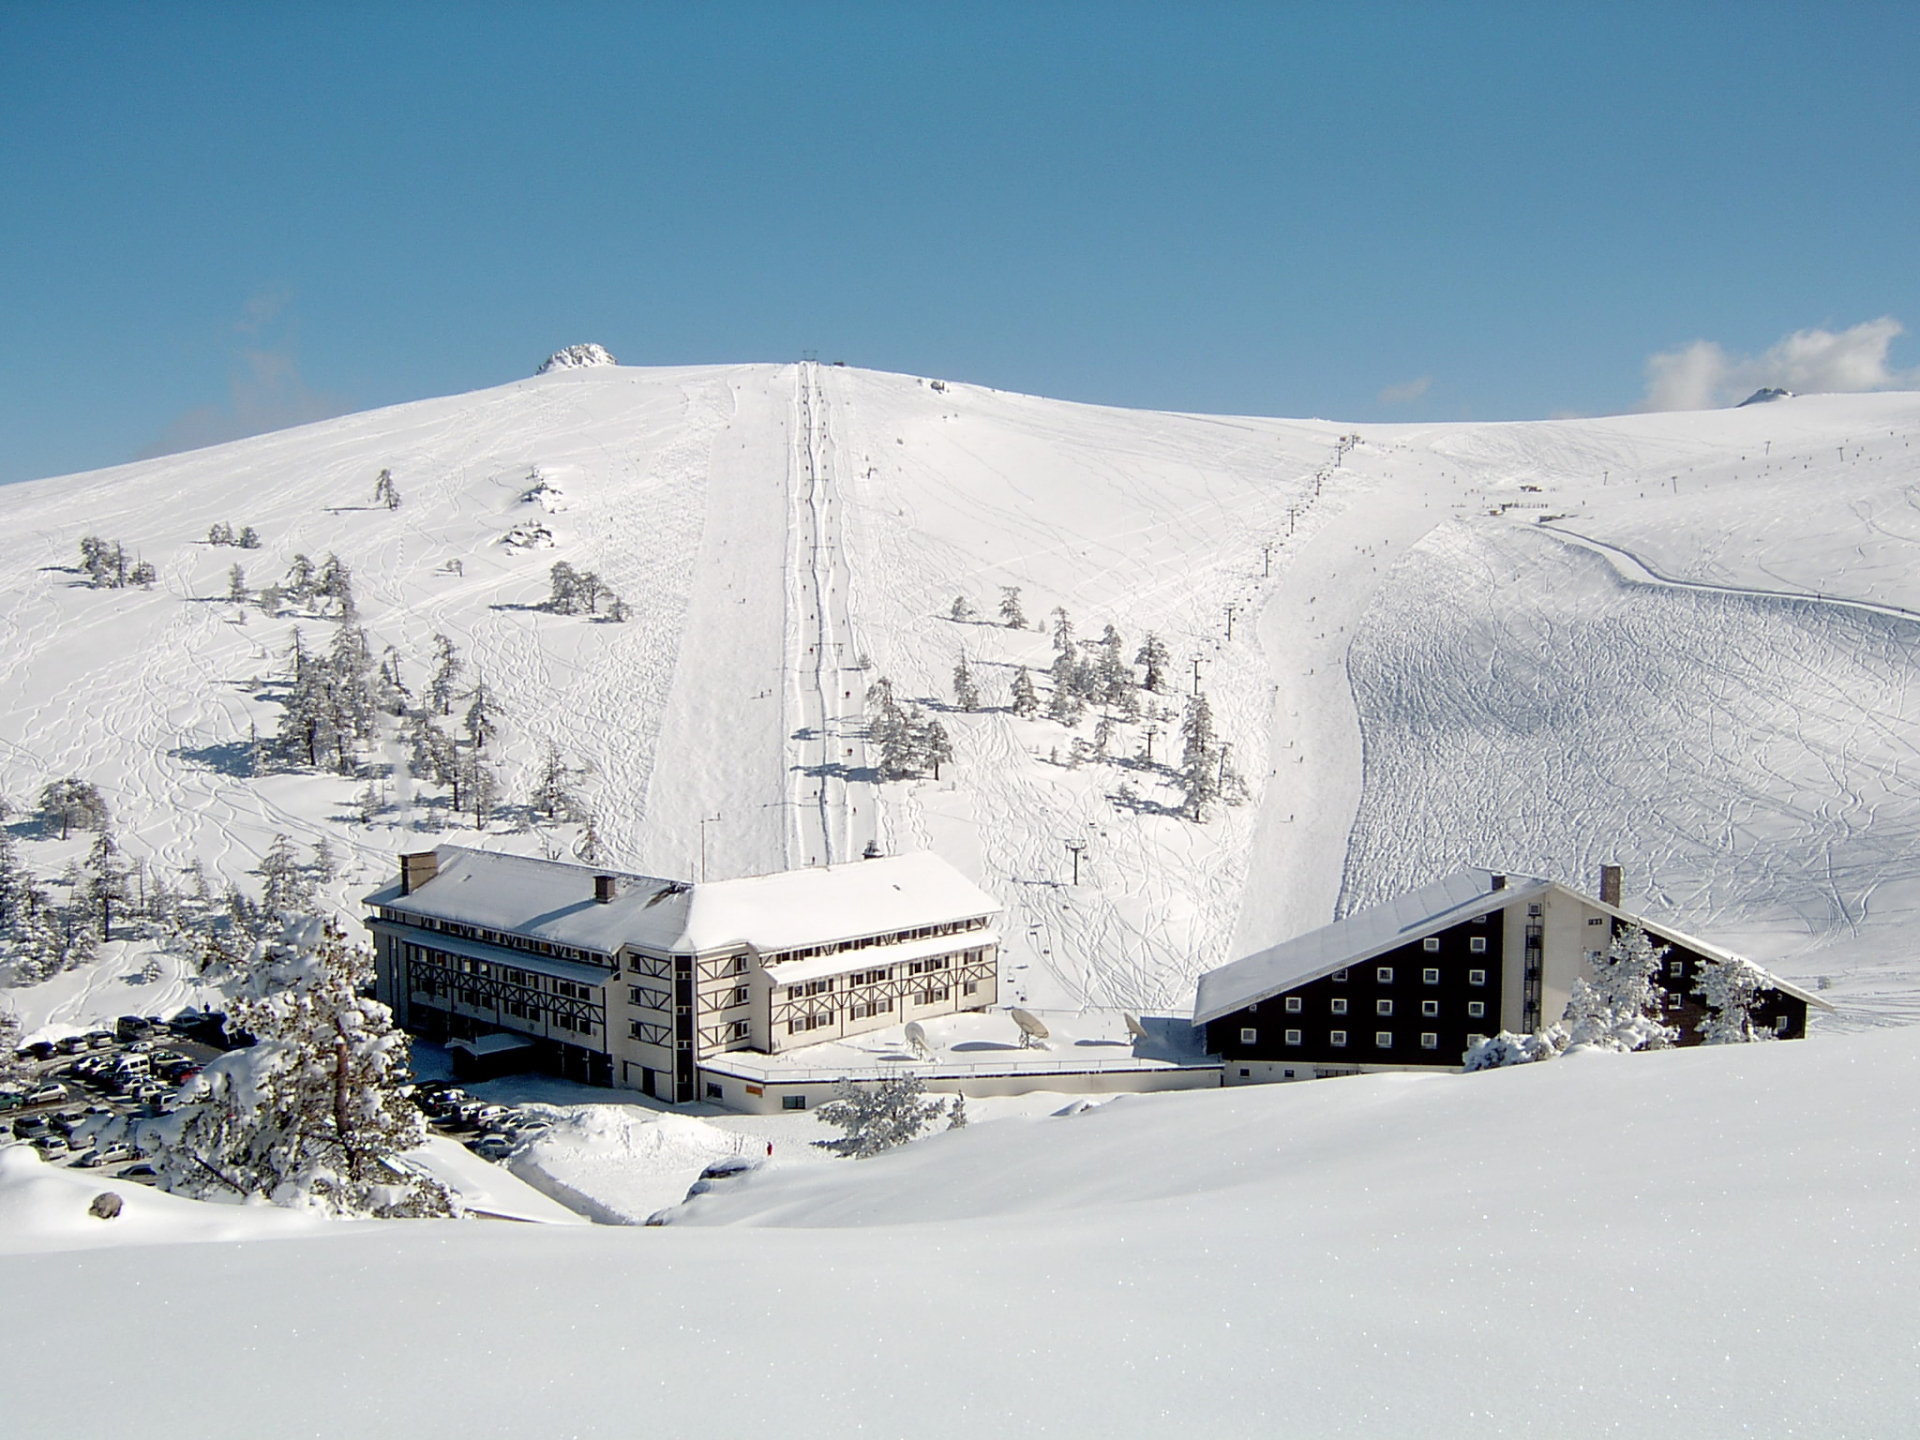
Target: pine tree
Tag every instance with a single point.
(220, 533)
(335, 583)
(73, 804)
(878, 1118)
(965, 693)
(552, 794)
(589, 849)
(957, 1112)
(1153, 654)
(106, 881)
(1112, 680)
(385, 492)
(12, 1068)
(1062, 631)
(1025, 700)
(1066, 704)
(299, 582)
(961, 609)
(447, 666)
(480, 725)
(237, 591)
(934, 748)
(565, 582)
(1199, 775)
(249, 539)
(325, 865)
(313, 1115)
(14, 884)
(1619, 1009)
(1731, 989)
(1010, 612)
(286, 891)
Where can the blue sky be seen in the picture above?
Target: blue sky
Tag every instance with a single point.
(219, 218)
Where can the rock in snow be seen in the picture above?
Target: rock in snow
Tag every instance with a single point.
(1758, 397)
(576, 357)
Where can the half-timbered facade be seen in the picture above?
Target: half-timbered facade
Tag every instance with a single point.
(1415, 982)
(631, 980)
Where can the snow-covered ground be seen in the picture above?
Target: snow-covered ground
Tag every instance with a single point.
(1420, 672)
(1704, 1243)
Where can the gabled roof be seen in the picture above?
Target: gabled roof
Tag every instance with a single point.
(1366, 933)
(1355, 939)
(553, 901)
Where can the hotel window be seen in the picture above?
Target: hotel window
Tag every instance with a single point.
(1432, 942)
(1383, 1007)
(1429, 1040)
(1248, 1035)
(1383, 1039)
(1473, 1040)
(714, 1092)
(1337, 1037)
(1476, 1009)
(1384, 974)
(1478, 944)
(1430, 977)
(1674, 1002)
(1429, 1008)
(1340, 1005)
(739, 1030)
(1293, 1037)
(1595, 920)
(1476, 977)
(793, 1102)
(1340, 977)
(740, 995)
(1293, 1004)
(1676, 968)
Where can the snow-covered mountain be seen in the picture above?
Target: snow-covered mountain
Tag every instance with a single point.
(1681, 642)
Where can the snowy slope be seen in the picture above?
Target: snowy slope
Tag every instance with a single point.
(1420, 674)
(1704, 1243)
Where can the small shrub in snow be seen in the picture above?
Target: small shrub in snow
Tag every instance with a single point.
(576, 357)
(1507, 1048)
(878, 1117)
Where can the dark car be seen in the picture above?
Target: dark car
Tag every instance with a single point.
(133, 1027)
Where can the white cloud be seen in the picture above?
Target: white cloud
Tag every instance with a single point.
(266, 391)
(1405, 394)
(1702, 375)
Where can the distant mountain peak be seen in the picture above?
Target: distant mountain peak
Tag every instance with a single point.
(576, 357)
(1758, 397)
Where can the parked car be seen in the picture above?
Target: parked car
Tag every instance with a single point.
(721, 1172)
(495, 1147)
(11, 1100)
(144, 1174)
(51, 1144)
(28, 1126)
(110, 1154)
(47, 1093)
(101, 1039)
(70, 1044)
(133, 1027)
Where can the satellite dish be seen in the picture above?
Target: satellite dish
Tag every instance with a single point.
(1031, 1030)
(1134, 1027)
(917, 1038)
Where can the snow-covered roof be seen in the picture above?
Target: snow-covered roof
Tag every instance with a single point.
(553, 901)
(1400, 921)
(1358, 937)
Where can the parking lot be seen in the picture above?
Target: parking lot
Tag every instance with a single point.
(492, 1131)
(82, 1098)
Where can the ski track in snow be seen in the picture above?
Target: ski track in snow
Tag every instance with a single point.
(1413, 683)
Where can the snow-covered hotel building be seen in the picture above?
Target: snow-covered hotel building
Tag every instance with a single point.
(634, 981)
(1412, 983)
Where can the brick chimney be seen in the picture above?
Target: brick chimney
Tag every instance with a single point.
(1610, 885)
(416, 870)
(603, 889)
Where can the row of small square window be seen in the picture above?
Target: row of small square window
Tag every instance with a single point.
(1382, 1039)
(1383, 974)
(1476, 1009)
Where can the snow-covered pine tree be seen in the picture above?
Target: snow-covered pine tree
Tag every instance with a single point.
(552, 792)
(14, 885)
(617, 611)
(1062, 631)
(73, 804)
(334, 585)
(475, 788)
(12, 1068)
(105, 881)
(385, 492)
(325, 864)
(961, 609)
(1619, 1009)
(965, 693)
(390, 693)
(286, 892)
(312, 1116)
(1509, 1048)
(1112, 679)
(1731, 988)
(588, 849)
(935, 748)
(565, 592)
(1153, 654)
(447, 667)
(957, 1112)
(142, 574)
(237, 590)
(479, 723)
(1066, 704)
(1199, 774)
(249, 539)
(298, 586)
(876, 1119)
(1025, 699)
(1011, 615)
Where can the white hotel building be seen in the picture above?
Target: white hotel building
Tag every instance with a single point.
(634, 981)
